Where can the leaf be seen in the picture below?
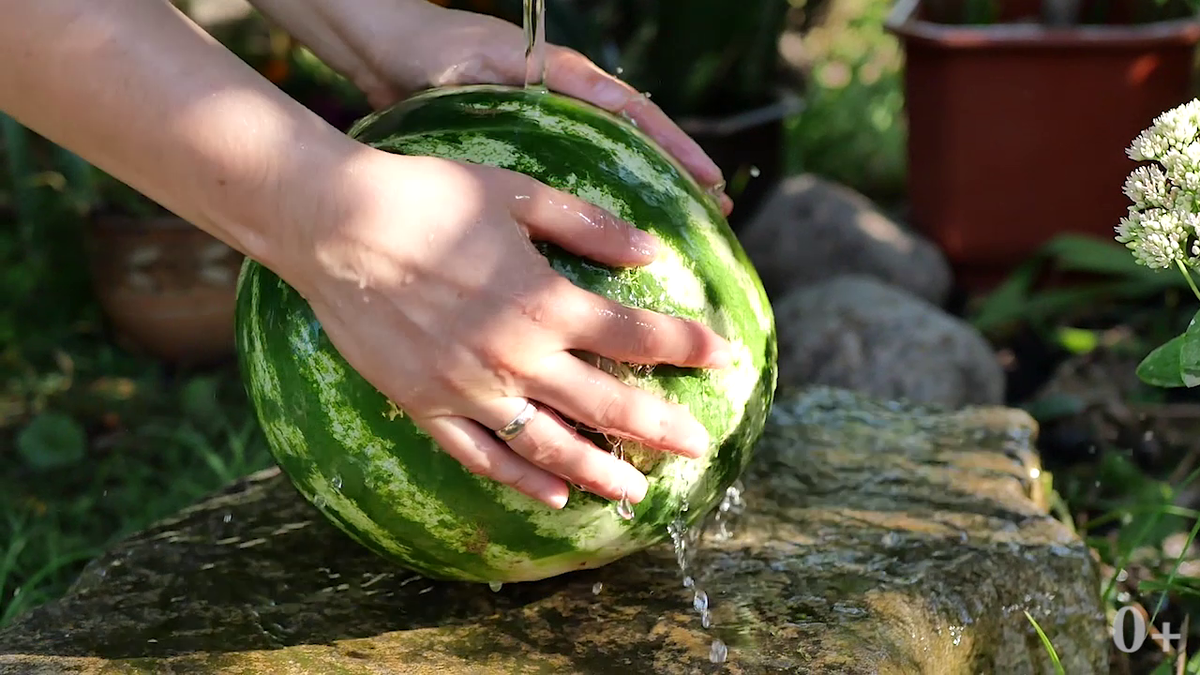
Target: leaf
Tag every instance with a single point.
(198, 398)
(1079, 253)
(52, 440)
(1161, 367)
(1189, 353)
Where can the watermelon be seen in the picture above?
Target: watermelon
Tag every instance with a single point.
(355, 455)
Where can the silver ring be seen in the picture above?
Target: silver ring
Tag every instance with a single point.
(517, 425)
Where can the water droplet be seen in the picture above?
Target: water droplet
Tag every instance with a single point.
(624, 508)
(496, 586)
(597, 587)
(755, 172)
(718, 652)
(620, 70)
(319, 502)
(337, 482)
(688, 582)
(228, 518)
(700, 601)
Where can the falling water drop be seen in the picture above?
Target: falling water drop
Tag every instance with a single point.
(718, 652)
(624, 508)
(495, 586)
(535, 43)
(597, 587)
(755, 172)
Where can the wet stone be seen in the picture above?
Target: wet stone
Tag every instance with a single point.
(874, 538)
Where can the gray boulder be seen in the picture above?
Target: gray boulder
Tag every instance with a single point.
(858, 333)
(871, 538)
(811, 229)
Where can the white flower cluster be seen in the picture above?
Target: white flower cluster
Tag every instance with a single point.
(1163, 225)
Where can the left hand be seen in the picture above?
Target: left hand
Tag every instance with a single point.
(393, 48)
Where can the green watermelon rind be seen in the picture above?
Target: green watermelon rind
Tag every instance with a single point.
(375, 475)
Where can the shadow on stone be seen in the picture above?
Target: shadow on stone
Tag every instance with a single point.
(877, 538)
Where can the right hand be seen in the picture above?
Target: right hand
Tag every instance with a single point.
(425, 278)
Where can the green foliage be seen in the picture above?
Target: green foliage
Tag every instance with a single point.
(701, 57)
(52, 440)
(695, 57)
(1050, 651)
(852, 129)
(1118, 276)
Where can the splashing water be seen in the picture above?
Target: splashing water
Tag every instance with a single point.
(686, 539)
(732, 505)
(535, 44)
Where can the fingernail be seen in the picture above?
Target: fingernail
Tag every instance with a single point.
(643, 242)
(610, 95)
(722, 358)
(636, 486)
(557, 501)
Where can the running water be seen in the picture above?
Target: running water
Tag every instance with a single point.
(686, 540)
(535, 44)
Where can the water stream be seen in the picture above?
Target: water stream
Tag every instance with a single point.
(535, 43)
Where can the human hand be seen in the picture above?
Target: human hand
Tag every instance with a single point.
(392, 48)
(425, 278)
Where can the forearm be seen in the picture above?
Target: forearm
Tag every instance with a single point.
(142, 93)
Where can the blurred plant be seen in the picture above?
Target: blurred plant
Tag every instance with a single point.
(852, 129)
(700, 57)
(1162, 228)
(696, 57)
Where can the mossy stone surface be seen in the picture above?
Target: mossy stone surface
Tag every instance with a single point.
(876, 538)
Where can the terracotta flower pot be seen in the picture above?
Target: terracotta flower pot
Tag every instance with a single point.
(167, 288)
(1017, 131)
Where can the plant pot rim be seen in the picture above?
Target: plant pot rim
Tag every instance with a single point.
(903, 22)
(786, 104)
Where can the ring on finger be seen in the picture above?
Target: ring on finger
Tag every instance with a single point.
(517, 425)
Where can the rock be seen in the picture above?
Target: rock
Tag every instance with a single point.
(810, 230)
(857, 333)
(875, 538)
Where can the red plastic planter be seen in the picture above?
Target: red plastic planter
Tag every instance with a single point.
(1017, 131)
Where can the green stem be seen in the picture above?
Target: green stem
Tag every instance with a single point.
(1187, 275)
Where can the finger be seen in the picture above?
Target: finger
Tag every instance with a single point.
(573, 74)
(592, 397)
(581, 227)
(596, 324)
(549, 443)
(483, 454)
(726, 204)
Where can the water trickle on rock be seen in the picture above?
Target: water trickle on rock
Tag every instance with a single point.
(535, 44)
(686, 541)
